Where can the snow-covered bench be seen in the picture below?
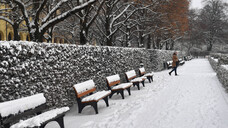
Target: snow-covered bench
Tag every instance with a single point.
(181, 62)
(149, 76)
(30, 112)
(113, 83)
(131, 77)
(169, 64)
(85, 95)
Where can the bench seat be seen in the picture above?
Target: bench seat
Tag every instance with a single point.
(139, 79)
(122, 86)
(148, 74)
(96, 96)
(41, 118)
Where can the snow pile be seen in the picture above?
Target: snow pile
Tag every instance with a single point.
(22, 104)
(84, 86)
(39, 119)
(113, 78)
(96, 96)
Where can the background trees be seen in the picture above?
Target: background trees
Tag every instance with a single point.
(209, 25)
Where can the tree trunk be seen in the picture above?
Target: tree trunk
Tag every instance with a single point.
(15, 30)
(148, 42)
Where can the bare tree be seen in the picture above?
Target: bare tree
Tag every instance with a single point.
(212, 21)
(32, 14)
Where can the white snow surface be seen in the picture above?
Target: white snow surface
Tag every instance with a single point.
(194, 99)
(82, 87)
(22, 104)
(39, 119)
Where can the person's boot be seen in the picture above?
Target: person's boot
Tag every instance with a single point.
(170, 73)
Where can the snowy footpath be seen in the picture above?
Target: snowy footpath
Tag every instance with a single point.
(194, 99)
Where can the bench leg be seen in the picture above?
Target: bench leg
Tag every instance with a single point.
(143, 83)
(122, 93)
(80, 107)
(129, 90)
(110, 96)
(148, 77)
(137, 84)
(94, 104)
(152, 78)
(43, 125)
(60, 121)
(106, 100)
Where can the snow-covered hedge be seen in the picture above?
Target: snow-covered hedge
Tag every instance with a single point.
(27, 68)
(222, 74)
(214, 63)
(219, 63)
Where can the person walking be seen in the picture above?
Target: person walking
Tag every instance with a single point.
(174, 64)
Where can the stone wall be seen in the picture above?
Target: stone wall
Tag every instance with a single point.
(27, 68)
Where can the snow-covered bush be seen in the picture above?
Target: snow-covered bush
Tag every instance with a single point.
(27, 68)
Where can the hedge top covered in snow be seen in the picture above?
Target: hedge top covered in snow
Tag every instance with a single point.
(20, 105)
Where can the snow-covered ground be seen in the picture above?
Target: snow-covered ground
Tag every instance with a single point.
(194, 99)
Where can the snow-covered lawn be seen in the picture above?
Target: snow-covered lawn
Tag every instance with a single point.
(194, 99)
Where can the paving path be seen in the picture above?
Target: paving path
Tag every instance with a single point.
(194, 99)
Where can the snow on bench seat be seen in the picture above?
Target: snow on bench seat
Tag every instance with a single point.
(39, 119)
(96, 96)
(20, 105)
(122, 86)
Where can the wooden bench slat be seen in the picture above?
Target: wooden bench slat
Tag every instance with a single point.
(114, 83)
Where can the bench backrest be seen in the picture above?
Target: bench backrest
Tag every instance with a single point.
(13, 111)
(130, 74)
(17, 106)
(84, 88)
(142, 71)
(113, 80)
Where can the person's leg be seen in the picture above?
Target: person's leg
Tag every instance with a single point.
(171, 71)
(175, 70)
